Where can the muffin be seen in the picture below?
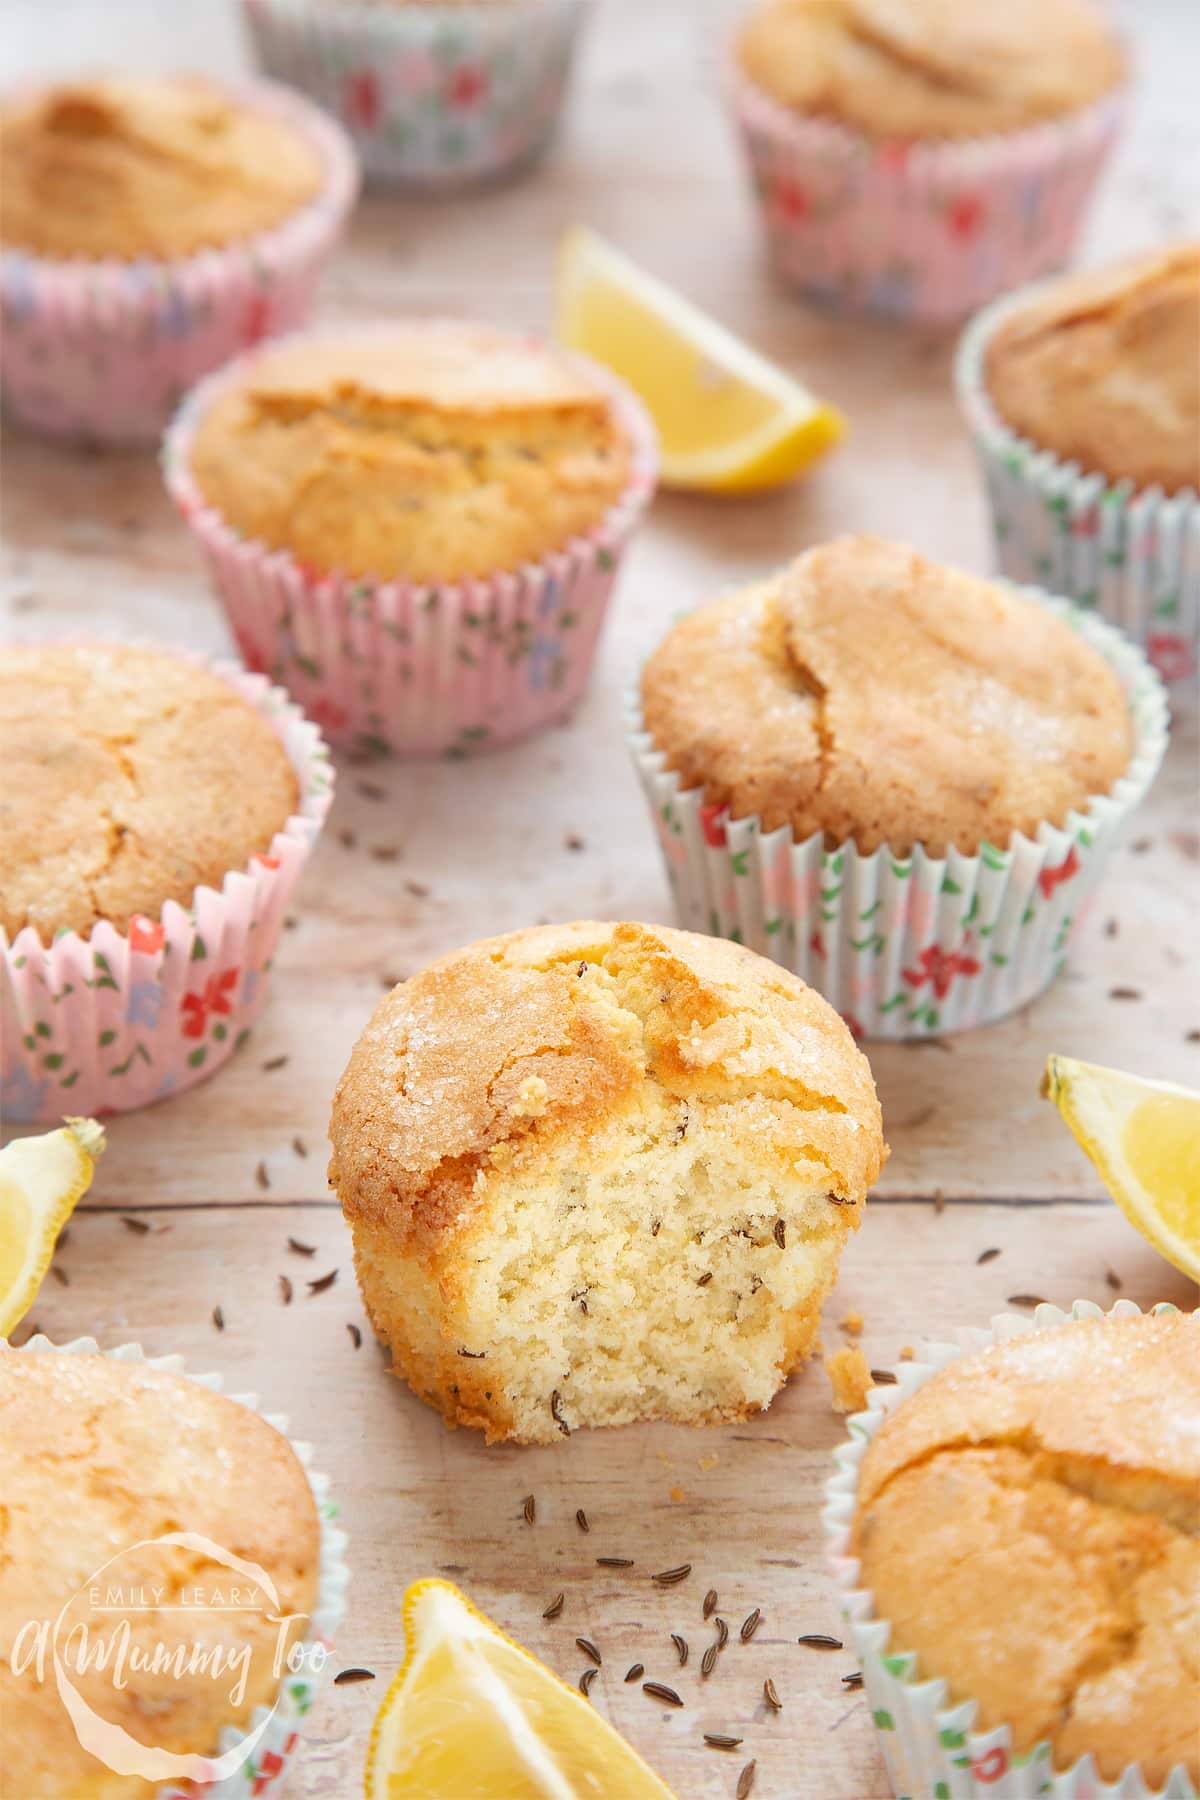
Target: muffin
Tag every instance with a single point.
(155, 817)
(897, 779)
(187, 1494)
(1083, 397)
(1056, 1475)
(599, 1173)
(436, 94)
(915, 157)
(415, 526)
(151, 227)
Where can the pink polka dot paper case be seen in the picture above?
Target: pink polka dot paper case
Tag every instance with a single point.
(105, 350)
(432, 95)
(119, 1019)
(908, 946)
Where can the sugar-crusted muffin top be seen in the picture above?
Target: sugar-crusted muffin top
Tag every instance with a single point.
(931, 68)
(142, 166)
(873, 695)
(131, 777)
(103, 1455)
(489, 1059)
(426, 452)
(1104, 369)
(1029, 1521)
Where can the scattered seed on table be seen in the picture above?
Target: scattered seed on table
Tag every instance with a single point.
(710, 1603)
(819, 1640)
(417, 889)
(939, 1201)
(261, 1176)
(634, 1671)
(581, 1519)
(301, 1249)
(1025, 1300)
(987, 1256)
(60, 1275)
(681, 1647)
(746, 1781)
(586, 1680)
(883, 1378)
(346, 1677)
(274, 1062)
(574, 841)
(1111, 927)
(371, 790)
(323, 1282)
(589, 1649)
(852, 1681)
(347, 839)
(750, 1624)
(385, 853)
(717, 1740)
(770, 1694)
(299, 1146)
(615, 1562)
(708, 1661)
(781, 1233)
(668, 1577)
(529, 1508)
(285, 1289)
(1113, 1280)
(355, 1336)
(555, 1607)
(1124, 993)
(722, 1632)
(218, 1318)
(139, 1227)
(658, 1690)
(1192, 1037)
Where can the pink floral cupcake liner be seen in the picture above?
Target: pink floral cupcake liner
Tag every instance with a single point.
(1131, 554)
(116, 1020)
(919, 232)
(906, 946)
(279, 1728)
(106, 350)
(419, 670)
(431, 94)
(931, 1748)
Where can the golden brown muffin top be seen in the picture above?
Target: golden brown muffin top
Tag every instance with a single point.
(492, 1057)
(1029, 1521)
(427, 452)
(145, 166)
(131, 777)
(100, 1456)
(876, 696)
(1104, 369)
(931, 68)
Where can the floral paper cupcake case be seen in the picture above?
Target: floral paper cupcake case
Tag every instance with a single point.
(431, 94)
(420, 670)
(115, 1020)
(281, 1727)
(1131, 554)
(106, 350)
(930, 1747)
(911, 946)
(919, 232)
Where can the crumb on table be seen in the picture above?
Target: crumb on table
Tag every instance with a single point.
(850, 1377)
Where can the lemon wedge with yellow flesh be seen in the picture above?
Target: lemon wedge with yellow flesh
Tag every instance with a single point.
(1144, 1138)
(41, 1178)
(471, 1714)
(728, 420)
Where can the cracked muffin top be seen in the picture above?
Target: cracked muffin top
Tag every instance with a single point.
(872, 695)
(426, 452)
(134, 167)
(931, 68)
(1104, 369)
(1057, 1477)
(131, 777)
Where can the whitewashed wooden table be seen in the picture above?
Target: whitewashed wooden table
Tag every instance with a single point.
(416, 860)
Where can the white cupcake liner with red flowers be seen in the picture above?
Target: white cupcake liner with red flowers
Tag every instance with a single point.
(906, 946)
(106, 350)
(431, 94)
(919, 232)
(1131, 554)
(420, 670)
(277, 1729)
(930, 1747)
(118, 1019)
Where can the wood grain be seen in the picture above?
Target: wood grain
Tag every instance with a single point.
(416, 860)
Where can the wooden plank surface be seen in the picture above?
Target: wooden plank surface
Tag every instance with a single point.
(417, 860)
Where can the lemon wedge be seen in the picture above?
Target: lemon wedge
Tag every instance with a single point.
(1144, 1138)
(41, 1178)
(471, 1713)
(728, 420)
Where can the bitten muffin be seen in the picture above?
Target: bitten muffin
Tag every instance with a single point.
(875, 696)
(1104, 370)
(131, 777)
(601, 1172)
(1029, 1523)
(145, 167)
(931, 69)
(425, 452)
(85, 1504)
